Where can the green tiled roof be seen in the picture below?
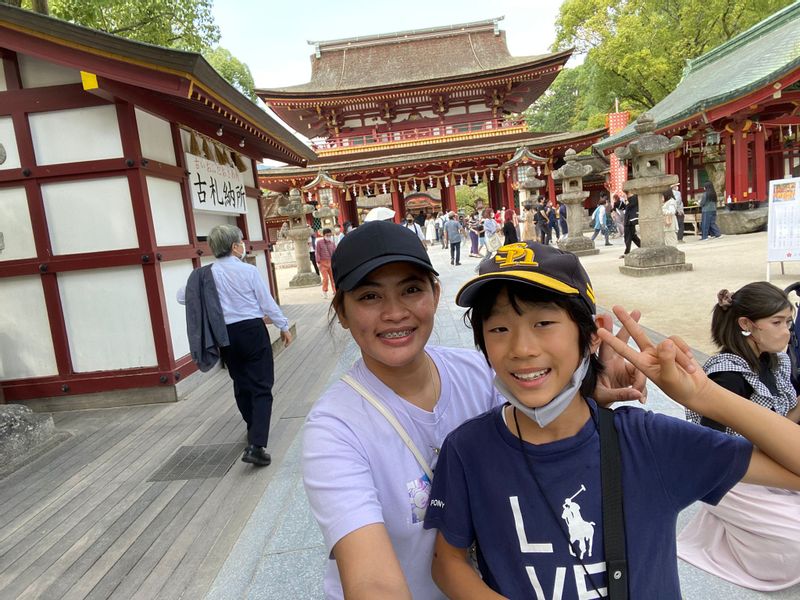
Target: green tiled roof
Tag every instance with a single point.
(747, 62)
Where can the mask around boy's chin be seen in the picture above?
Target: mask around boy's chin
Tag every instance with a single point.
(545, 415)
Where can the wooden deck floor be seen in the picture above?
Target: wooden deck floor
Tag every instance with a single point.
(85, 520)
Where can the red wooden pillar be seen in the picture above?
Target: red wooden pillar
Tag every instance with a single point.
(507, 198)
(397, 203)
(730, 143)
(450, 195)
(739, 164)
(760, 156)
(551, 189)
(491, 192)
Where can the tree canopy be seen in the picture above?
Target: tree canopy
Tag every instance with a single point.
(634, 51)
(232, 69)
(180, 24)
(183, 24)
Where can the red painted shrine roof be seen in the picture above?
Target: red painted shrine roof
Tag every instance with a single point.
(406, 59)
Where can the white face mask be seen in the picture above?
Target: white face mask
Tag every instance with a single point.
(327, 237)
(244, 251)
(544, 415)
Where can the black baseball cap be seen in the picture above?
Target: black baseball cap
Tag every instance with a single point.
(536, 264)
(373, 245)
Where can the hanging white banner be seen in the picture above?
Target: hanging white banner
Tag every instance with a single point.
(215, 187)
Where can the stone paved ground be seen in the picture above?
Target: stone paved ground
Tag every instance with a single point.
(280, 553)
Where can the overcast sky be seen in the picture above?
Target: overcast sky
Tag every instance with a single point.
(271, 36)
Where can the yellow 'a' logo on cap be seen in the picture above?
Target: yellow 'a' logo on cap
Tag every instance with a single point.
(514, 255)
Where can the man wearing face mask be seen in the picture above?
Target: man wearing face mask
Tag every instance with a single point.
(325, 248)
(411, 224)
(246, 305)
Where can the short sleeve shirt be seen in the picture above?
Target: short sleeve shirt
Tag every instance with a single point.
(358, 471)
(528, 535)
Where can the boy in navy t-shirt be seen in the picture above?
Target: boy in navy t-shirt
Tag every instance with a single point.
(522, 482)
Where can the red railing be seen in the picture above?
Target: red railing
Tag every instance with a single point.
(416, 133)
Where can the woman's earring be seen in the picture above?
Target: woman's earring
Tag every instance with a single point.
(746, 333)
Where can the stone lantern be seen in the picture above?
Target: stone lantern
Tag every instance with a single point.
(647, 154)
(323, 184)
(529, 184)
(299, 232)
(571, 175)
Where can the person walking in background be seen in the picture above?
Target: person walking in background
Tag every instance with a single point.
(453, 231)
(542, 225)
(552, 222)
(562, 220)
(430, 230)
(245, 303)
(489, 224)
(679, 214)
(670, 222)
(312, 251)
(708, 213)
(338, 234)
(410, 223)
(442, 222)
(509, 231)
(618, 215)
(752, 537)
(475, 229)
(631, 220)
(599, 220)
(325, 248)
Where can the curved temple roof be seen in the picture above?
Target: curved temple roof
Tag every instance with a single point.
(408, 59)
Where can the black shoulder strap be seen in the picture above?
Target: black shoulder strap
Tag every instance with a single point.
(613, 520)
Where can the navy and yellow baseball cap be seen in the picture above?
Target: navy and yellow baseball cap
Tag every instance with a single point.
(535, 264)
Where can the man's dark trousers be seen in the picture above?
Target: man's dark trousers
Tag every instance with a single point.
(630, 236)
(455, 252)
(249, 362)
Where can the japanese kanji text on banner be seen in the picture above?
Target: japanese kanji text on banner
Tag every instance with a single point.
(215, 187)
(783, 227)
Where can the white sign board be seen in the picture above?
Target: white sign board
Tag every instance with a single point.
(215, 187)
(783, 228)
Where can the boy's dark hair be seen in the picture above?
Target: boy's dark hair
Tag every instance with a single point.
(520, 294)
(755, 301)
(326, 231)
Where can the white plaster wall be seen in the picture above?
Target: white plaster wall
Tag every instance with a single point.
(74, 135)
(166, 205)
(26, 346)
(9, 141)
(248, 174)
(15, 225)
(89, 215)
(174, 275)
(253, 220)
(155, 137)
(107, 318)
(205, 222)
(39, 73)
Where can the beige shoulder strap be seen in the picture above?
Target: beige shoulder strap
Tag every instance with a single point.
(379, 406)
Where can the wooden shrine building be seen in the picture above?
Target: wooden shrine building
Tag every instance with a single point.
(116, 159)
(738, 110)
(419, 111)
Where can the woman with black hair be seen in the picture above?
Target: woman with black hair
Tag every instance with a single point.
(752, 537)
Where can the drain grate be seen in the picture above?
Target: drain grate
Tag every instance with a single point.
(198, 462)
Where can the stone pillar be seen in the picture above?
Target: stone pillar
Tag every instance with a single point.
(571, 175)
(648, 156)
(299, 232)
